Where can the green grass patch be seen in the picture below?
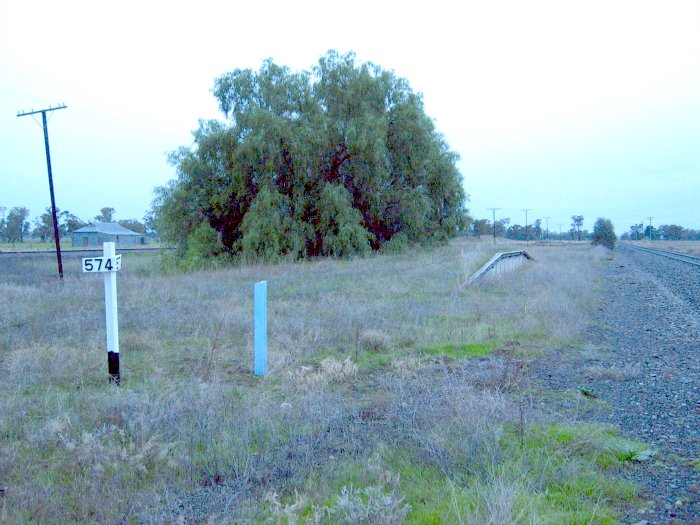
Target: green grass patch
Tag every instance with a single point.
(597, 443)
(696, 465)
(374, 359)
(432, 495)
(549, 474)
(460, 350)
(370, 359)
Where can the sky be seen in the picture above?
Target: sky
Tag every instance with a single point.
(562, 107)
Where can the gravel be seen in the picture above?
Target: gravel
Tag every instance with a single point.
(639, 367)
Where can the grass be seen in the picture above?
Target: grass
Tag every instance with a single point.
(542, 489)
(66, 244)
(551, 474)
(696, 465)
(28, 246)
(394, 395)
(691, 247)
(460, 350)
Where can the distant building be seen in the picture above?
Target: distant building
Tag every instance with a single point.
(100, 232)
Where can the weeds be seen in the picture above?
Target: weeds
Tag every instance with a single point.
(373, 341)
(390, 398)
(330, 371)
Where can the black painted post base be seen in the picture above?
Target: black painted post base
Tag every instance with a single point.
(113, 367)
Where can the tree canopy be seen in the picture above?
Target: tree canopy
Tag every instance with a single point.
(576, 224)
(16, 226)
(67, 224)
(337, 160)
(106, 215)
(604, 233)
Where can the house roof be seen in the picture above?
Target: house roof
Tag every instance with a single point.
(108, 228)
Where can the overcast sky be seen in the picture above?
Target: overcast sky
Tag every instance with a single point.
(564, 107)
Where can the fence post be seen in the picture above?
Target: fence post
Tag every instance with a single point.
(260, 328)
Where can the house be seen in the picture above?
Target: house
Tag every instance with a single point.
(100, 232)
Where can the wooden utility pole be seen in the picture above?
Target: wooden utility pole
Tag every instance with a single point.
(527, 239)
(494, 222)
(56, 234)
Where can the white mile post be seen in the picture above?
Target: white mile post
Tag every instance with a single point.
(111, 316)
(109, 264)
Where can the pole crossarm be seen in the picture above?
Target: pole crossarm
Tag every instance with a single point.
(34, 112)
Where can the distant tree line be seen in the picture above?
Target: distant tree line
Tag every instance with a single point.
(670, 232)
(533, 231)
(15, 225)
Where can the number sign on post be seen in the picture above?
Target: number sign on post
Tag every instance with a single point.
(109, 264)
(102, 264)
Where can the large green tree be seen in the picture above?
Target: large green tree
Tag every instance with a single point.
(16, 225)
(70, 223)
(576, 224)
(106, 215)
(332, 161)
(67, 224)
(673, 232)
(133, 225)
(636, 232)
(482, 227)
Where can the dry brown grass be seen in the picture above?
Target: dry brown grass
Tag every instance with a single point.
(691, 247)
(192, 436)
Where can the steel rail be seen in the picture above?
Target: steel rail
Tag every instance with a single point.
(79, 251)
(683, 257)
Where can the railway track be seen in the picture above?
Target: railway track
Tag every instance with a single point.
(78, 252)
(684, 257)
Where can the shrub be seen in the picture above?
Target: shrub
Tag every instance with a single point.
(604, 233)
(373, 340)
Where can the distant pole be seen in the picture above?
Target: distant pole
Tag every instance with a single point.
(56, 234)
(260, 328)
(560, 231)
(494, 222)
(650, 237)
(527, 239)
(547, 234)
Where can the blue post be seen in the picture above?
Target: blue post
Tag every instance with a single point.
(260, 336)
